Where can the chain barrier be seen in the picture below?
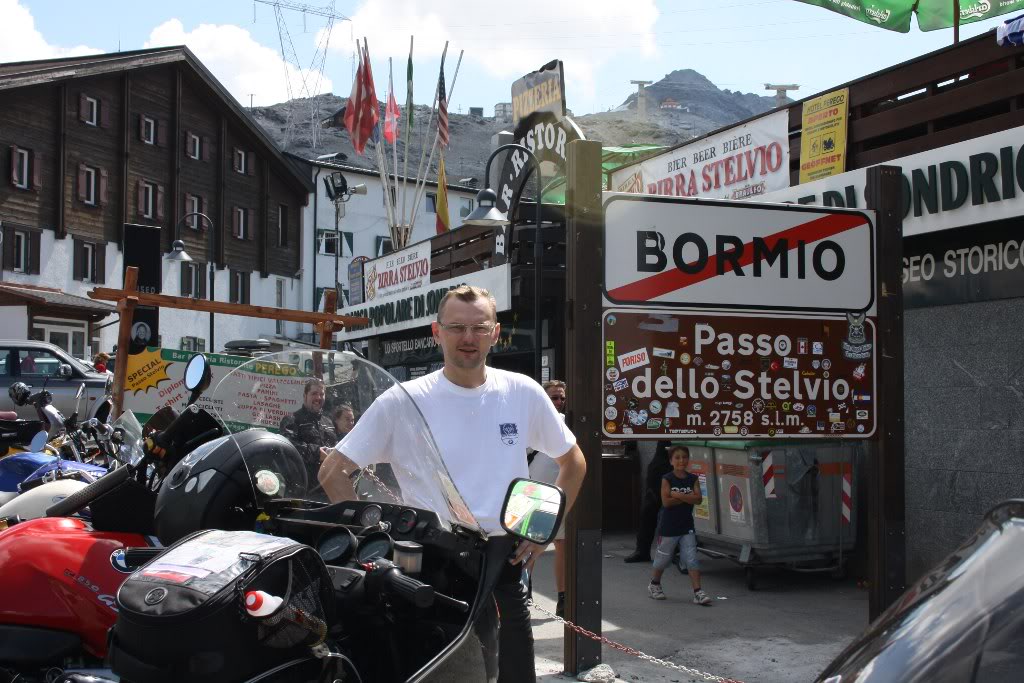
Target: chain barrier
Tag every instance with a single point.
(629, 650)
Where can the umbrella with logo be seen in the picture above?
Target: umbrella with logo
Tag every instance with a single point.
(931, 14)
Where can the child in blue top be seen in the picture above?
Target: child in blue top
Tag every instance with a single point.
(680, 491)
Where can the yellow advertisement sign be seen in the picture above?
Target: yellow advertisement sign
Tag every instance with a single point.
(823, 140)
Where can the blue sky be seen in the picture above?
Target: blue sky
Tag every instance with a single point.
(738, 44)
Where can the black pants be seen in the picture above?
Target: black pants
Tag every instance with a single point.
(515, 636)
(648, 523)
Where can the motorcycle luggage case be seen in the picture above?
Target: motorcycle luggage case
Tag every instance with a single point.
(181, 617)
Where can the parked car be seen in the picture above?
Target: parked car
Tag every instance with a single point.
(36, 363)
(962, 622)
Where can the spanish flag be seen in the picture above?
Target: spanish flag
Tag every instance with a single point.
(442, 199)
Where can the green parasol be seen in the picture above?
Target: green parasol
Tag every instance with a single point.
(931, 14)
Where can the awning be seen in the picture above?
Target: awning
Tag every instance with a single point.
(14, 293)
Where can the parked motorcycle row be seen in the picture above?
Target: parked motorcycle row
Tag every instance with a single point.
(201, 546)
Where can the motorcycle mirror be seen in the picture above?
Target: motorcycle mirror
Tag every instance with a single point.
(38, 443)
(196, 372)
(533, 510)
(64, 371)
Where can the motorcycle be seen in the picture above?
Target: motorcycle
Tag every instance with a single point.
(61, 573)
(407, 574)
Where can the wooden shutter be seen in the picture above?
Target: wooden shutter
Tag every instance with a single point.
(78, 262)
(103, 187)
(159, 202)
(234, 159)
(234, 286)
(37, 171)
(202, 207)
(161, 132)
(188, 142)
(203, 274)
(104, 113)
(186, 279)
(142, 127)
(83, 108)
(204, 148)
(8, 247)
(250, 223)
(140, 197)
(99, 269)
(81, 183)
(14, 165)
(347, 239)
(234, 221)
(245, 288)
(250, 168)
(33, 252)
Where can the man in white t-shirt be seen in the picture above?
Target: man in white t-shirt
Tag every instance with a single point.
(483, 421)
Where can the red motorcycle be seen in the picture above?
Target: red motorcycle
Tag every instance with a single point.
(61, 574)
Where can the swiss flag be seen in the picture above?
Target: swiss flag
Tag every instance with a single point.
(391, 115)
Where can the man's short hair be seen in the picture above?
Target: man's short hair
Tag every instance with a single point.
(672, 450)
(312, 382)
(556, 383)
(469, 294)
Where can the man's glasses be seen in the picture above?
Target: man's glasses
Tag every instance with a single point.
(558, 398)
(459, 329)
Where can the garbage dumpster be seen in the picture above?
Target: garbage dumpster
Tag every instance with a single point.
(767, 503)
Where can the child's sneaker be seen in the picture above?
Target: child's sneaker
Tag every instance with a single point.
(655, 591)
(701, 598)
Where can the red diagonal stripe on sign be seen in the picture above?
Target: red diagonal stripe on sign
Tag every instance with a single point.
(768, 474)
(675, 279)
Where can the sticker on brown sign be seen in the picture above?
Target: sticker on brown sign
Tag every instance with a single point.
(754, 378)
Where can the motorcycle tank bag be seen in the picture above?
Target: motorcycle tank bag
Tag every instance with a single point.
(182, 616)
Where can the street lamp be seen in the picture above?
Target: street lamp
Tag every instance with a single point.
(339, 192)
(487, 214)
(179, 254)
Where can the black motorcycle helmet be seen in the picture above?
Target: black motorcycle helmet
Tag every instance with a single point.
(210, 487)
(19, 393)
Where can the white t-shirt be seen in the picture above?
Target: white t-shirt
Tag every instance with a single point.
(482, 434)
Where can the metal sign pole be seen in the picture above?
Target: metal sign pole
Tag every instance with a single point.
(584, 259)
(886, 474)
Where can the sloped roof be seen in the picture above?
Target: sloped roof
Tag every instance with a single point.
(54, 297)
(46, 71)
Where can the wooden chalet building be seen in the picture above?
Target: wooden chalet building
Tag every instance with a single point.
(89, 144)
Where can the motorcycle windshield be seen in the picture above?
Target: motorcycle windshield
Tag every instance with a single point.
(130, 450)
(312, 401)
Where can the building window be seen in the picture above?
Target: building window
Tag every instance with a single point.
(21, 243)
(282, 225)
(88, 262)
(241, 161)
(194, 204)
(148, 199)
(20, 168)
(89, 186)
(383, 196)
(148, 130)
(280, 304)
(326, 242)
(193, 283)
(197, 344)
(91, 114)
(195, 146)
(346, 244)
(465, 206)
(384, 246)
(239, 287)
(431, 202)
(242, 226)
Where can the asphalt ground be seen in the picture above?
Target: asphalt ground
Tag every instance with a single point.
(786, 631)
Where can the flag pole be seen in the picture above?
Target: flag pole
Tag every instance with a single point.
(376, 145)
(394, 144)
(418, 198)
(408, 128)
(426, 135)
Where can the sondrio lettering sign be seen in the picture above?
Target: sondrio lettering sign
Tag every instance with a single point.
(668, 251)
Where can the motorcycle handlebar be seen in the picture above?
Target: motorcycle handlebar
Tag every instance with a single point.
(80, 499)
(415, 592)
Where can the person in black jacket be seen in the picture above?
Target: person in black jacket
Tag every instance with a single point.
(308, 428)
(658, 468)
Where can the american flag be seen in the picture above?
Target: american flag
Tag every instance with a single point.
(442, 109)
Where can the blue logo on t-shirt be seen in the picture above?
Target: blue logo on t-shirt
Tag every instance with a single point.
(509, 433)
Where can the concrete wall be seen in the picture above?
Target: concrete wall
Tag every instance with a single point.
(964, 392)
(14, 322)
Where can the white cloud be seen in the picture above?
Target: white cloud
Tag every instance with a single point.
(585, 34)
(243, 65)
(20, 41)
